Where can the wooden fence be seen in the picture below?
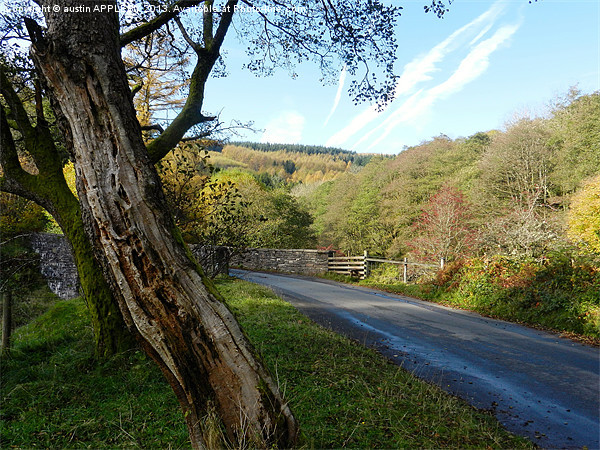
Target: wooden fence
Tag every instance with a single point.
(355, 266)
(359, 266)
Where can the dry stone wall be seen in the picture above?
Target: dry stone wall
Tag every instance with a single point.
(299, 261)
(213, 259)
(56, 264)
(58, 267)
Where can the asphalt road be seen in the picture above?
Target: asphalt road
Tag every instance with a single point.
(537, 384)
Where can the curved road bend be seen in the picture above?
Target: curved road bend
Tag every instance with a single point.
(537, 384)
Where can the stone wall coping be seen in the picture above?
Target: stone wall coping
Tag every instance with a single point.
(304, 250)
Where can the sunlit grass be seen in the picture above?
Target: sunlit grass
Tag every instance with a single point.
(346, 395)
(54, 395)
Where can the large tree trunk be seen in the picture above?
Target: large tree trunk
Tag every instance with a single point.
(163, 297)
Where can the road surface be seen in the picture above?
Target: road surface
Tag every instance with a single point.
(537, 384)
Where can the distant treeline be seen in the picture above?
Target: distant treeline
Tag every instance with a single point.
(344, 155)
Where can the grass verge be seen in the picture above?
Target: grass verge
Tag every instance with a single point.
(560, 293)
(53, 394)
(344, 395)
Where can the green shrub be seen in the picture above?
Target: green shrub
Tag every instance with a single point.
(560, 291)
(386, 273)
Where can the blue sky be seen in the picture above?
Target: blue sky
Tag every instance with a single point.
(479, 66)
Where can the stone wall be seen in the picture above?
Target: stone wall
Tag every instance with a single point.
(58, 267)
(213, 259)
(56, 264)
(305, 262)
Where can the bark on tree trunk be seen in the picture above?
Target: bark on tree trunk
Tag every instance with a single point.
(163, 297)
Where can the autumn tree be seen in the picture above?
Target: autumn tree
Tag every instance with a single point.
(517, 190)
(282, 222)
(269, 216)
(208, 209)
(443, 230)
(584, 216)
(157, 74)
(575, 128)
(166, 302)
(526, 228)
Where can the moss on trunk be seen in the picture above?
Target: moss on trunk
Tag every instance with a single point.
(50, 190)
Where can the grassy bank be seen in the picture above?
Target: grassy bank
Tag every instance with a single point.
(560, 292)
(55, 396)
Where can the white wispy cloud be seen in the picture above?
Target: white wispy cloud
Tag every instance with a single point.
(287, 128)
(355, 125)
(476, 62)
(338, 94)
(421, 70)
(470, 68)
(481, 34)
(409, 109)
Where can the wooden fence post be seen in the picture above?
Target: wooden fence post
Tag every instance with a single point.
(405, 271)
(6, 321)
(366, 265)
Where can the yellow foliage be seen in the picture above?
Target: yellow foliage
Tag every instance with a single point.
(69, 173)
(584, 216)
(18, 215)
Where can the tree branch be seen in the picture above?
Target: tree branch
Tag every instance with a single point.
(137, 88)
(293, 37)
(35, 33)
(15, 180)
(196, 137)
(174, 133)
(155, 127)
(224, 24)
(37, 139)
(191, 113)
(149, 27)
(207, 26)
(17, 110)
(195, 46)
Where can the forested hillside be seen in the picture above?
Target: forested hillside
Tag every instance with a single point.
(515, 213)
(512, 191)
(297, 164)
(297, 148)
(507, 191)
